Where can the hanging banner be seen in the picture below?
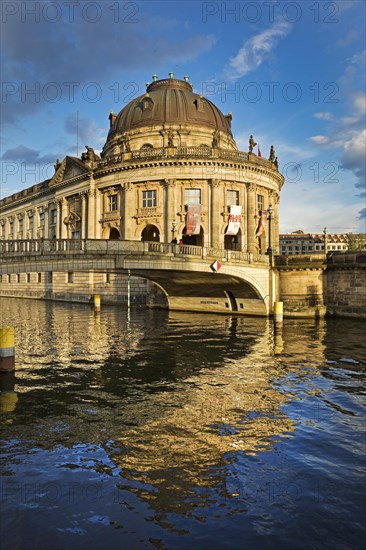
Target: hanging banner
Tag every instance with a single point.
(262, 225)
(234, 220)
(193, 219)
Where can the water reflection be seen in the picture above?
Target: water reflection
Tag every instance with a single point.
(174, 407)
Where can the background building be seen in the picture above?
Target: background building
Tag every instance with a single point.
(319, 243)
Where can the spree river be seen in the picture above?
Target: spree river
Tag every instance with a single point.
(162, 430)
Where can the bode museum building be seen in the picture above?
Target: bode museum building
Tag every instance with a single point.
(169, 170)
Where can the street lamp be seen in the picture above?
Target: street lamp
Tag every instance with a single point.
(174, 227)
(270, 212)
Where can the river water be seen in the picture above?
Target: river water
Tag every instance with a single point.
(177, 431)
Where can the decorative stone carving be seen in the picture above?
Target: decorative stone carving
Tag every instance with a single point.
(71, 220)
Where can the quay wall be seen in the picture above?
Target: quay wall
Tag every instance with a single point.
(345, 292)
(318, 285)
(75, 287)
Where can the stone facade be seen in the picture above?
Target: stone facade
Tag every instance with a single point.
(168, 153)
(318, 285)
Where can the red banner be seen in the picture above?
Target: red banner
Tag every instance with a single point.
(262, 225)
(234, 220)
(193, 219)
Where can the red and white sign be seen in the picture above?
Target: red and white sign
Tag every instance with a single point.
(215, 266)
(234, 220)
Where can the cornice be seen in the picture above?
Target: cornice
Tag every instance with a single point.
(244, 166)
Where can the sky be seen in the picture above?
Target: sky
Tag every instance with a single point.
(291, 73)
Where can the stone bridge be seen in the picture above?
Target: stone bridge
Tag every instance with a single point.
(184, 273)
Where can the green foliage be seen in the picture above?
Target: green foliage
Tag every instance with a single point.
(356, 242)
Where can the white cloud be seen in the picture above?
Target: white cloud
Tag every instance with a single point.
(323, 115)
(257, 49)
(359, 101)
(320, 140)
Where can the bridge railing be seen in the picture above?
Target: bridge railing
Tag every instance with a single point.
(10, 249)
(21, 247)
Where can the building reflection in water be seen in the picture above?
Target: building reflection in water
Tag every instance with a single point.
(180, 396)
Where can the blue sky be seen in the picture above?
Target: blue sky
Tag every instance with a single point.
(291, 73)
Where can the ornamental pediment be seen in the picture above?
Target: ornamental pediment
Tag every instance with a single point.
(68, 169)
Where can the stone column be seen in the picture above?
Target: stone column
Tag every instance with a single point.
(275, 224)
(58, 219)
(46, 222)
(91, 214)
(251, 192)
(83, 215)
(98, 206)
(128, 212)
(170, 209)
(215, 212)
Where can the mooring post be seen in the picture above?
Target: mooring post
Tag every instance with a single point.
(7, 350)
(278, 314)
(129, 289)
(97, 303)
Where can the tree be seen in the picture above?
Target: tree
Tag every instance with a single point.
(356, 242)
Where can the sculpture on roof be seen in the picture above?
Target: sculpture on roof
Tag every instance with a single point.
(252, 144)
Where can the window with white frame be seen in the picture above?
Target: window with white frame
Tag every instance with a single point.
(232, 198)
(149, 199)
(112, 203)
(260, 203)
(192, 196)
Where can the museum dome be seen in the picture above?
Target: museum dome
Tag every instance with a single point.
(169, 102)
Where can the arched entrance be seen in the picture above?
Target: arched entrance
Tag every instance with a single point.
(114, 233)
(194, 240)
(233, 242)
(151, 233)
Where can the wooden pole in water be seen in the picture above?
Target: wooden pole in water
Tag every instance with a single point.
(7, 350)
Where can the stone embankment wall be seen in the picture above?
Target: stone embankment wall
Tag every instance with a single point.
(74, 287)
(318, 285)
(345, 293)
(301, 285)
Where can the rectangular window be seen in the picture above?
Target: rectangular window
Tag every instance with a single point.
(107, 278)
(9, 278)
(70, 277)
(192, 196)
(39, 277)
(149, 199)
(11, 229)
(30, 223)
(18, 278)
(28, 277)
(21, 225)
(50, 276)
(41, 219)
(53, 217)
(232, 198)
(260, 203)
(113, 203)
